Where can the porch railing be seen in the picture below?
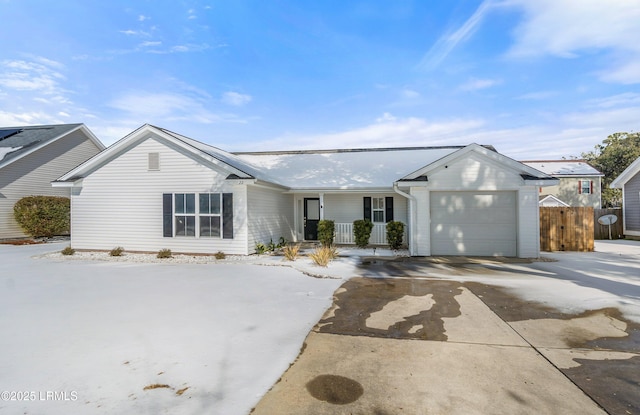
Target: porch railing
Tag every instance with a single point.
(344, 234)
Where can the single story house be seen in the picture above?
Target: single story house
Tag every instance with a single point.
(31, 157)
(156, 189)
(580, 184)
(629, 182)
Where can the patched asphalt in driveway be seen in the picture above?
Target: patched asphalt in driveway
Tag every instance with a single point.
(421, 346)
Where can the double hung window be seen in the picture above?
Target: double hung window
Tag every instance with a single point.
(198, 215)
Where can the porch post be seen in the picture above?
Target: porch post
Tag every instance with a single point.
(321, 206)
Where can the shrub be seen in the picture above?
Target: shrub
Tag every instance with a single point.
(323, 255)
(260, 248)
(43, 215)
(68, 251)
(362, 231)
(291, 252)
(326, 232)
(117, 251)
(395, 232)
(164, 253)
(220, 255)
(282, 242)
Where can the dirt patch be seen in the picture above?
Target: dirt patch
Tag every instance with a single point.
(156, 386)
(19, 242)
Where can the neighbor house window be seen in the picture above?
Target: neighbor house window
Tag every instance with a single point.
(197, 215)
(210, 214)
(185, 214)
(377, 208)
(586, 187)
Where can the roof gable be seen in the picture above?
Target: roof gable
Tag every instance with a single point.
(628, 174)
(206, 155)
(526, 172)
(18, 142)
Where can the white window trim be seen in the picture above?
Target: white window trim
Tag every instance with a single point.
(380, 208)
(197, 214)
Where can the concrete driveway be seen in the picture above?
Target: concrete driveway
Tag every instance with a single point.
(465, 336)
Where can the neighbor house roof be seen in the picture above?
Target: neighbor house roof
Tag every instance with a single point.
(626, 175)
(17, 142)
(564, 167)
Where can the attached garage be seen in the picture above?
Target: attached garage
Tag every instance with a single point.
(474, 223)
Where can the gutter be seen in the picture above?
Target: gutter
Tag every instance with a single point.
(412, 219)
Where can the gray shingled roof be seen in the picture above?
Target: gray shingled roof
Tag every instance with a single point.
(14, 146)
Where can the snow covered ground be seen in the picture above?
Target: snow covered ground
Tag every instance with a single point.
(88, 335)
(97, 333)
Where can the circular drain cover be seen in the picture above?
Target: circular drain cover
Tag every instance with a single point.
(335, 389)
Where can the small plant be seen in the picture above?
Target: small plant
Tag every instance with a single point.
(220, 255)
(117, 251)
(362, 231)
(395, 233)
(291, 252)
(164, 253)
(282, 242)
(323, 255)
(68, 251)
(271, 246)
(260, 248)
(326, 232)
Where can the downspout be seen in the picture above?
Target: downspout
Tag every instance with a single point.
(412, 219)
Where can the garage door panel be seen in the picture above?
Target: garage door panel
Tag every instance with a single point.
(468, 223)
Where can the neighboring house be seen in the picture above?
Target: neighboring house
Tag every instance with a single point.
(580, 184)
(629, 182)
(156, 189)
(32, 157)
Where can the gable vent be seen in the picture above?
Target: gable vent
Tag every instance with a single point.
(154, 161)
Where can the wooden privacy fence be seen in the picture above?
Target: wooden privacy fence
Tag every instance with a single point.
(602, 231)
(566, 229)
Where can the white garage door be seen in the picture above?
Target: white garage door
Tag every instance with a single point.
(473, 223)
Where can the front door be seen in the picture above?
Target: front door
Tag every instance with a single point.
(311, 218)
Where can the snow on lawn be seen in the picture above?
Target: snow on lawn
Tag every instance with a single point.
(201, 338)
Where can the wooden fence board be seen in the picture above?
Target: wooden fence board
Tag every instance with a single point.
(602, 231)
(566, 229)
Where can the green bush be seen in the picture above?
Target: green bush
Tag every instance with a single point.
(260, 248)
(326, 232)
(362, 232)
(164, 253)
(220, 255)
(395, 232)
(43, 215)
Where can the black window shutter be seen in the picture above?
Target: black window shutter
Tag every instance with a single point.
(227, 215)
(388, 203)
(167, 215)
(367, 208)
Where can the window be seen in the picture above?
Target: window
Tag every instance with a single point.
(198, 215)
(185, 214)
(585, 187)
(209, 214)
(377, 205)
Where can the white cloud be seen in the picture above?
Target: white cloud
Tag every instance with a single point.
(538, 95)
(31, 76)
(477, 84)
(236, 99)
(569, 28)
(142, 18)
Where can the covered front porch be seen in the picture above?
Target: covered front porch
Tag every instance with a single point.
(344, 208)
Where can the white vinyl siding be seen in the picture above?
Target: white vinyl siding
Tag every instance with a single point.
(346, 208)
(121, 203)
(270, 216)
(32, 175)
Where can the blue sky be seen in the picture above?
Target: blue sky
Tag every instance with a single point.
(534, 78)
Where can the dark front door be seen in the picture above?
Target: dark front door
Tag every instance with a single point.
(311, 218)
